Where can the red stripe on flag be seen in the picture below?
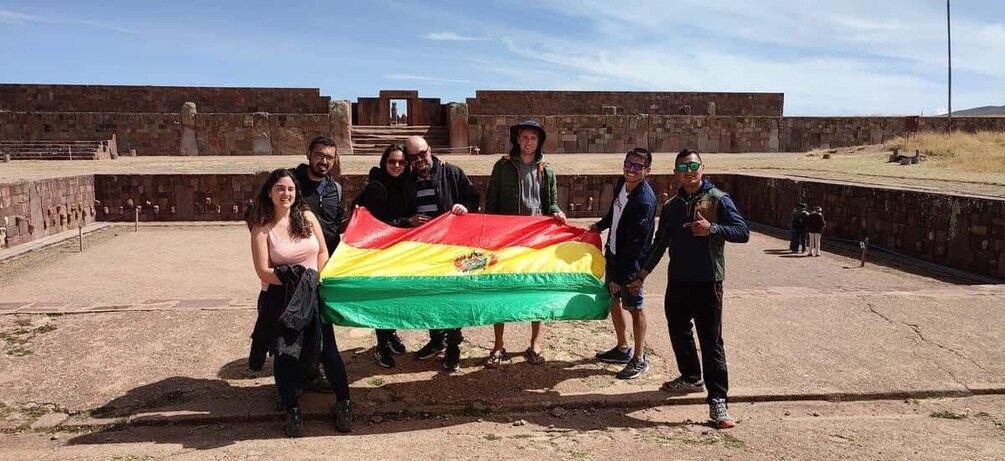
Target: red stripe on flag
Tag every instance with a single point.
(488, 231)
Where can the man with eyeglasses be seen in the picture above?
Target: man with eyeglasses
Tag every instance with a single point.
(320, 190)
(632, 220)
(695, 225)
(438, 188)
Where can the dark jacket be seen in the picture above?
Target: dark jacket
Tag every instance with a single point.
(798, 219)
(697, 259)
(815, 223)
(505, 186)
(451, 184)
(386, 198)
(326, 205)
(635, 232)
(288, 319)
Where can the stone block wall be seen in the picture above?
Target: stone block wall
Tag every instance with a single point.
(162, 133)
(610, 133)
(962, 232)
(625, 103)
(35, 209)
(166, 99)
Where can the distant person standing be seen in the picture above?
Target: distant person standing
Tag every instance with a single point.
(695, 225)
(815, 225)
(797, 229)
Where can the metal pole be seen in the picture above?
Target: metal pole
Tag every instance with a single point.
(949, 54)
(80, 236)
(136, 224)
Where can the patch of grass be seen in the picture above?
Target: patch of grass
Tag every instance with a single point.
(19, 351)
(521, 436)
(732, 442)
(947, 414)
(22, 322)
(980, 152)
(131, 457)
(166, 399)
(493, 437)
(375, 382)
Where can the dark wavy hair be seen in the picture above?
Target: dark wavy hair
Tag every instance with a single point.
(263, 212)
(387, 153)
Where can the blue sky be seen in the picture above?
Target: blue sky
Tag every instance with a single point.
(828, 57)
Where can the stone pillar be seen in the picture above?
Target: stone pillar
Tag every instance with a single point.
(773, 136)
(189, 140)
(711, 108)
(340, 115)
(261, 143)
(457, 123)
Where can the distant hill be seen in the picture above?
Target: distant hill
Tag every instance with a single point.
(986, 110)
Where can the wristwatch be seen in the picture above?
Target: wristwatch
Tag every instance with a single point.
(713, 229)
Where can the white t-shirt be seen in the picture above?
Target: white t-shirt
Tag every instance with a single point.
(619, 207)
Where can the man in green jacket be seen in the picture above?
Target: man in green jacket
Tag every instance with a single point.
(522, 183)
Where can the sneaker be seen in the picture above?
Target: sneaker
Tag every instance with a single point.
(293, 425)
(682, 386)
(395, 344)
(634, 369)
(615, 355)
(718, 413)
(343, 416)
(384, 357)
(452, 359)
(430, 350)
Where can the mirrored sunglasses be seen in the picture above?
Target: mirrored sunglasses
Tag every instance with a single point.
(689, 166)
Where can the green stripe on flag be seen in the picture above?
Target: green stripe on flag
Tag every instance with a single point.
(462, 301)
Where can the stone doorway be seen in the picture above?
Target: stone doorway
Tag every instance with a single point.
(398, 112)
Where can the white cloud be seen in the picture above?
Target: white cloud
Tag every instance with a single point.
(13, 17)
(435, 80)
(451, 36)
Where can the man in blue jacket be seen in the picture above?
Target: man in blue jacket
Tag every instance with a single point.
(695, 226)
(631, 220)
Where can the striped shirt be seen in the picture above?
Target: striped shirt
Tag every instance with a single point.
(425, 198)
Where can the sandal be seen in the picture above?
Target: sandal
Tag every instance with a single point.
(534, 358)
(495, 359)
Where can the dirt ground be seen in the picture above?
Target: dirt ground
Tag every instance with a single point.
(862, 165)
(137, 348)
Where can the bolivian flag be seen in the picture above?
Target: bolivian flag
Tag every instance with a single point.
(459, 271)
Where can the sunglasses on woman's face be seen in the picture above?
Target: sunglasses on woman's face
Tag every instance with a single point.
(630, 165)
(689, 166)
(396, 163)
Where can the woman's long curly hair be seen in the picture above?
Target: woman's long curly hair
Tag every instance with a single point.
(263, 212)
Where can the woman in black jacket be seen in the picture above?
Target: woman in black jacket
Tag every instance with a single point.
(386, 198)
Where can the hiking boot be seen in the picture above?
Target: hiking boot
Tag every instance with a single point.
(343, 416)
(395, 344)
(616, 355)
(682, 386)
(430, 350)
(452, 359)
(719, 415)
(634, 369)
(293, 425)
(384, 357)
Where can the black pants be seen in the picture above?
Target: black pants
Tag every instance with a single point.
(384, 337)
(452, 336)
(287, 371)
(702, 303)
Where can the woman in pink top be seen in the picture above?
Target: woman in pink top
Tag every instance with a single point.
(284, 232)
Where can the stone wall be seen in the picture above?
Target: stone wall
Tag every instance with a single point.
(166, 99)
(35, 209)
(600, 133)
(165, 134)
(962, 232)
(625, 103)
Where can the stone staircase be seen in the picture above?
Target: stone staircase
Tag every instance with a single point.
(58, 150)
(370, 140)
